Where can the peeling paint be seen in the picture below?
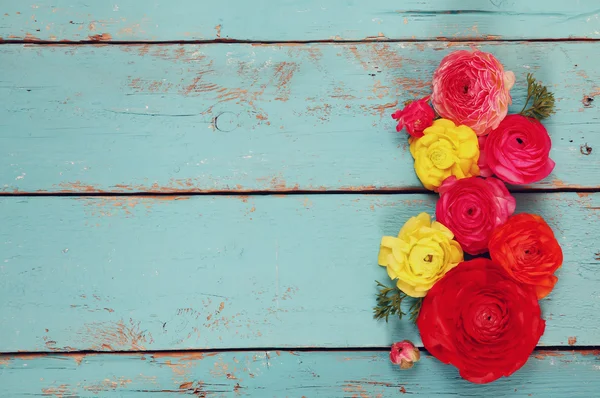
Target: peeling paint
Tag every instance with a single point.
(124, 206)
(572, 340)
(30, 38)
(107, 384)
(110, 336)
(184, 355)
(61, 391)
(79, 357)
(100, 37)
(545, 354)
(284, 71)
(381, 109)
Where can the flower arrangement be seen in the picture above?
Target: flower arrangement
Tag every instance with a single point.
(480, 315)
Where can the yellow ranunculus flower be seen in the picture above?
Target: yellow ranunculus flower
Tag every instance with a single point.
(421, 254)
(445, 150)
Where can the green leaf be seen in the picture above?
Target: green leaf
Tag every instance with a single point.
(542, 100)
(389, 303)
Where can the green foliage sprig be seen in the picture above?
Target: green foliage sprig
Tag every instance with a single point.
(543, 100)
(389, 302)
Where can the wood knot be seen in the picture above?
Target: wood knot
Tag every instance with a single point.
(226, 122)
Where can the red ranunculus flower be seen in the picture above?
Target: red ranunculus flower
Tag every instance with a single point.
(472, 208)
(518, 151)
(526, 248)
(481, 320)
(416, 117)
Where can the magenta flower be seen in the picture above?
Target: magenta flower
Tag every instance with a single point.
(416, 117)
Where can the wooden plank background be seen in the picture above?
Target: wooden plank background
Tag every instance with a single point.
(293, 20)
(204, 272)
(243, 117)
(248, 167)
(285, 373)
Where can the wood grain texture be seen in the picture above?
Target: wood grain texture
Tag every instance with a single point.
(205, 272)
(290, 20)
(284, 373)
(190, 118)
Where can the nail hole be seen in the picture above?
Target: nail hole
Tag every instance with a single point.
(587, 101)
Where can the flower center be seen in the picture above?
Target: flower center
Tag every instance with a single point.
(486, 318)
(441, 159)
(425, 259)
(520, 141)
(531, 251)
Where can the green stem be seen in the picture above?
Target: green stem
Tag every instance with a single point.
(526, 103)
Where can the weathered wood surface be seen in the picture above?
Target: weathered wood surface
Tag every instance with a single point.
(188, 118)
(137, 273)
(285, 374)
(139, 20)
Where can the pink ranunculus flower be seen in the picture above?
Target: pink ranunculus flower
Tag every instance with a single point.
(404, 354)
(472, 88)
(416, 117)
(472, 208)
(518, 150)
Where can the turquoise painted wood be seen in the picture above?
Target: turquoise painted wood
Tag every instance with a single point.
(285, 374)
(297, 19)
(191, 118)
(137, 273)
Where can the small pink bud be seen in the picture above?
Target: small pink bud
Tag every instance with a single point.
(404, 354)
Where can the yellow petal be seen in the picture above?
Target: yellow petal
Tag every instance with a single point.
(469, 149)
(409, 289)
(413, 146)
(465, 133)
(401, 251)
(430, 179)
(414, 224)
(390, 241)
(456, 252)
(457, 171)
(444, 124)
(394, 269)
(384, 252)
(465, 166)
(427, 140)
(438, 226)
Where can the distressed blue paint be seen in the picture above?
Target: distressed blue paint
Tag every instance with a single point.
(298, 19)
(142, 118)
(283, 373)
(231, 272)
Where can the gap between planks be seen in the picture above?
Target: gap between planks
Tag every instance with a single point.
(289, 192)
(108, 41)
(595, 350)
